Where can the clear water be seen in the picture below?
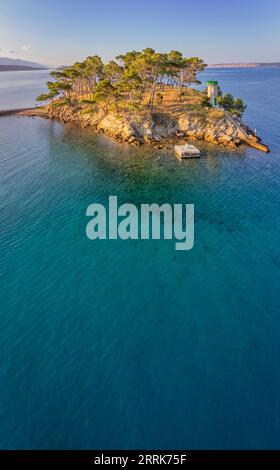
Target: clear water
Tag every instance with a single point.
(130, 344)
(20, 89)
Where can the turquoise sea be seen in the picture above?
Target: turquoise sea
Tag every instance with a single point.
(131, 344)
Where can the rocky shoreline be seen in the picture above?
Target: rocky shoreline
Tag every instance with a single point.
(157, 128)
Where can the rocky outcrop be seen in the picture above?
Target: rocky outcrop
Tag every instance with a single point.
(210, 125)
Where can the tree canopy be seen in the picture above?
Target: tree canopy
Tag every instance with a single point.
(126, 80)
(234, 106)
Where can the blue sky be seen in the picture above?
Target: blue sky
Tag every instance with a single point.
(63, 31)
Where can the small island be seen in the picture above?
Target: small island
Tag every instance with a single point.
(146, 97)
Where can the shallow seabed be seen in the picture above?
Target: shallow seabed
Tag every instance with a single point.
(130, 344)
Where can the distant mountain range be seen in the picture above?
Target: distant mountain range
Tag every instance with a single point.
(7, 64)
(248, 64)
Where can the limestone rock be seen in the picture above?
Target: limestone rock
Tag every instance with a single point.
(154, 128)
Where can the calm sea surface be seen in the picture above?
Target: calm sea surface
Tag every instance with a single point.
(114, 344)
(20, 89)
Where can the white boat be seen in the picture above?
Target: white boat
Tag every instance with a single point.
(187, 151)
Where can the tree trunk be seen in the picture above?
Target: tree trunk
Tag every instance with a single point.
(152, 94)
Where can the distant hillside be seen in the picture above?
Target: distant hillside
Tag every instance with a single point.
(17, 64)
(249, 64)
(7, 68)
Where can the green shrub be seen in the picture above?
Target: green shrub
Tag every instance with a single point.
(56, 104)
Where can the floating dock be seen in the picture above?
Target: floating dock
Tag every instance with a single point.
(186, 151)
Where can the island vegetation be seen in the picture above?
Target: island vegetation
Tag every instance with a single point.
(132, 82)
(144, 96)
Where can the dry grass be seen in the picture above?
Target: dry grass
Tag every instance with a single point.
(167, 102)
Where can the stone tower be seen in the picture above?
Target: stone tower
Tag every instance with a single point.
(212, 92)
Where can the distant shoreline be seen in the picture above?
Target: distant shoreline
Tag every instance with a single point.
(245, 65)
(19, 68)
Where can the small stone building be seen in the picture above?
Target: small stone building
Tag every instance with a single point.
(212, 92)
